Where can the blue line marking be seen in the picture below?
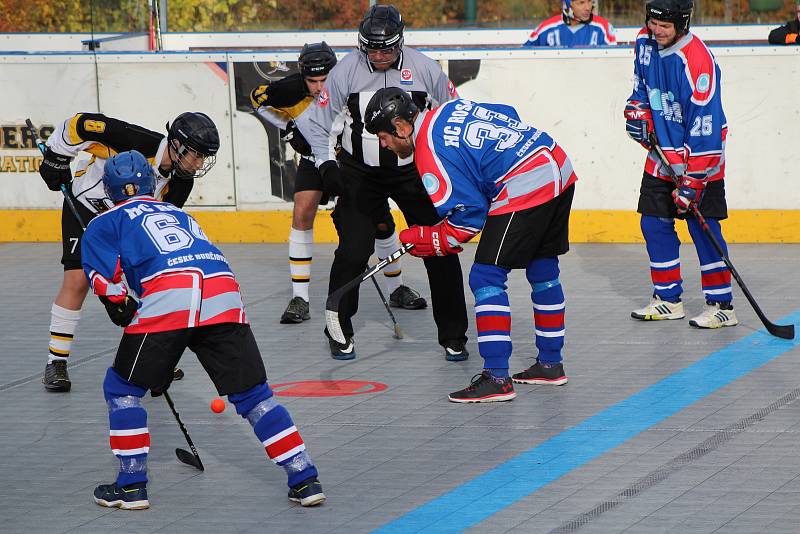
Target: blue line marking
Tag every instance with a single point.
(472, 502)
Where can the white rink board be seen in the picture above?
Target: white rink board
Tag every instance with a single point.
(576, 95)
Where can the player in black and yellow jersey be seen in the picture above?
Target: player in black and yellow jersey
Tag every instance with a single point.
(186, 152)
(280, 102)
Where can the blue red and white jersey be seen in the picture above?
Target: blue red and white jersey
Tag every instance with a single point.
(555, 32)
(682, 85)
(181, 278)
(479, 159)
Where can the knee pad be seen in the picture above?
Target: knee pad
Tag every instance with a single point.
(542, 270)
(116, 387)
(487, 280)
(384, 229)
(246, 401)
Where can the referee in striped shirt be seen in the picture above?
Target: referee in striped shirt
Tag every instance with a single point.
(367, 174)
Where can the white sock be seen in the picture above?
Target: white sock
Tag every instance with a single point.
(301, 246)
(63, 323)
(393, 273)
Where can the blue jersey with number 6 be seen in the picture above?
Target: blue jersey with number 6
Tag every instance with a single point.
(182, 279)
(682, 85)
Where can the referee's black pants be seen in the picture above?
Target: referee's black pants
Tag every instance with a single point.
(357, 211)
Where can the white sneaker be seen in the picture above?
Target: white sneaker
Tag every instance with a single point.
(659, 310)
(714, 316)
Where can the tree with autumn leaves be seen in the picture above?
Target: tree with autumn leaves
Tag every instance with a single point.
(111, 16)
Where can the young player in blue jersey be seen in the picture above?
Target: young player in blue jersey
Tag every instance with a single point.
(187, 298)
(677, 98)
(576, 26)
(486, 170)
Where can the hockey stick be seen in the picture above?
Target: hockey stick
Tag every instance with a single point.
(777, 330)
(67, 194)
(335, 298)
(189, 458)
(398, 334)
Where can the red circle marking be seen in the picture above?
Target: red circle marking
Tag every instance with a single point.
(326, 388)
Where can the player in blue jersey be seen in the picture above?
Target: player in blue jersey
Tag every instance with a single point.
(179, 292)
(487, 170)
(576, 26)
(677, 98)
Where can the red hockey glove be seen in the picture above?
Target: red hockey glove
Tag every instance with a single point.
(689, 192)
(639, 122)
(429, 241)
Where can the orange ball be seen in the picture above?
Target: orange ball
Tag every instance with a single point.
(217, 405)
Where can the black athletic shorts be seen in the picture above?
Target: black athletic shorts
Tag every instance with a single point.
(308, 177)
(71, 234)
(227, 351)
(655, 198)
(514, 239)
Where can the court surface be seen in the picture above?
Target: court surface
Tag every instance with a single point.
(662, 428)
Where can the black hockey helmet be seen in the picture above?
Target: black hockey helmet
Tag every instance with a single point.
(385, 106)
(678, 12)
(316, 59)
(381, 29)
(197, 133)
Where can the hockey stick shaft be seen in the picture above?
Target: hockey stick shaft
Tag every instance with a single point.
(782, 331)
(332, 303)
(199, 464)
(398, 334)
(67, 195)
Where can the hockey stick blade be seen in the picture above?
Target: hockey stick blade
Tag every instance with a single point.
(777, 330)
(335, 298)
(189, 459)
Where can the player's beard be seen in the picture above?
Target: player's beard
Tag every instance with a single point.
(405, 150)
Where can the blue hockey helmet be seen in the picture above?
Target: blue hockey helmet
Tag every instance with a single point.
(126, 175)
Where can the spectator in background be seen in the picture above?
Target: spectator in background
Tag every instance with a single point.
(789, 33)
(576, 26)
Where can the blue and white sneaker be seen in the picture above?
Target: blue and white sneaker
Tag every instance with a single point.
(133, 497)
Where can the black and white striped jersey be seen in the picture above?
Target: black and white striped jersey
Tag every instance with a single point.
(336, 118)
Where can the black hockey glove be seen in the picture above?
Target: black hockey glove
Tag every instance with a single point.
(121, 314)
(258, 97)
(331, 178)
(293, 136)
(55, 170)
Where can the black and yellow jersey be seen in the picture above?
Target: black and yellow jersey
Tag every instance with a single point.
(286, 99)
(103, 137)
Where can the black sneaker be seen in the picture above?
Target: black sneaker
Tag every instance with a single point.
(307, 493)
(485, 388)
(538, 374)
(455, 351)
(407, 298)
(296, 311)
(342, 351)
(133, 497)
(56, 377)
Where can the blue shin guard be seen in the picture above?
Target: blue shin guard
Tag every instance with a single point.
(548, 308)
(275, 429)
(130, 438)
(492, 315)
